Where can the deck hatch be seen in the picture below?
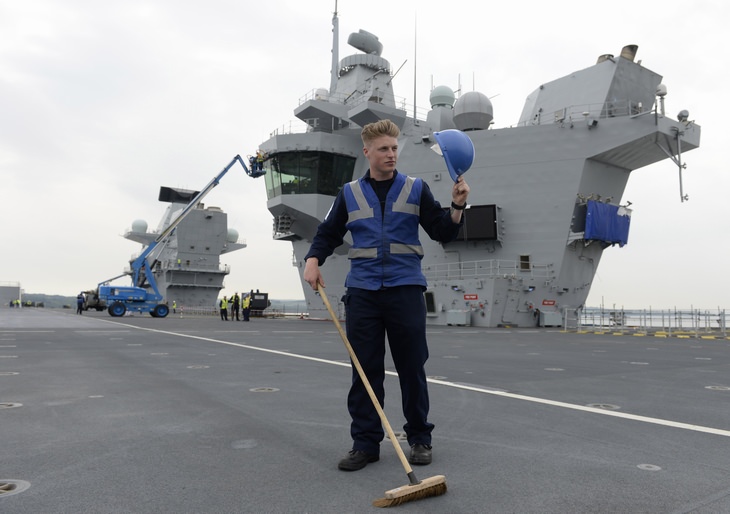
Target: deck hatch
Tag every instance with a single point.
(10, 487)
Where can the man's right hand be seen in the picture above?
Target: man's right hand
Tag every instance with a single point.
(312, 275)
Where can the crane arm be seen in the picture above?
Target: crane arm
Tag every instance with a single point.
(199, 198)
(141, 261)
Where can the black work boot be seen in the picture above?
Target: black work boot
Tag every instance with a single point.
(356, 459)
(420, 454)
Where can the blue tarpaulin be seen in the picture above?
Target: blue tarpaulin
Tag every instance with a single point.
(607, 223)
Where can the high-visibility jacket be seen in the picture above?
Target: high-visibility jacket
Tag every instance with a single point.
(386, 251)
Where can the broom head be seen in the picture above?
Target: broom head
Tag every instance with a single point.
(433, 486)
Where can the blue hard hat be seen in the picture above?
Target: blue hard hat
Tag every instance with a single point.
(457, 149)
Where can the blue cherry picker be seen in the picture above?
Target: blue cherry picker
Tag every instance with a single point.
(144, 295)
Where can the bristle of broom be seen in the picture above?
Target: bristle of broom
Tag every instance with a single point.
(428, 487)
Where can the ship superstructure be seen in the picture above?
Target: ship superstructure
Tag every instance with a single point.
(545, 192)
(187, 266)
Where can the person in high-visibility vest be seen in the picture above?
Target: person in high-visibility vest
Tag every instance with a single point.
(383, 211)
(224, 308)
(246, 307)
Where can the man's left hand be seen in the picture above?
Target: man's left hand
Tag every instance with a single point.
(460, 191)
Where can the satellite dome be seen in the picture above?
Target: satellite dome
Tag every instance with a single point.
(321, 94)
(473, 111)
(139, 226)
(232, 235)
(442, 96)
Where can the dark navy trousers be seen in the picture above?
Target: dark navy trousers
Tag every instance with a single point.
(399, 313)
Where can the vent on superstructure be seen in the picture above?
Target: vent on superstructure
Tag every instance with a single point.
(283, 223)
(282, 226)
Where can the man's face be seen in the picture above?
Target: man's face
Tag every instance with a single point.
(382, 154)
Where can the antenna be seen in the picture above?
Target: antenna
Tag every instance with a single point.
(683, 197)
(335, 50)
(415, 60)
(396, 72)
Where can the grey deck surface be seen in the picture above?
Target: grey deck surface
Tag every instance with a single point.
(195, 415)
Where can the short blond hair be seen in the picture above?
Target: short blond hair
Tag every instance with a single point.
(372, 131)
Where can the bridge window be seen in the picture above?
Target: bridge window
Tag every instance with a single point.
(300, 172)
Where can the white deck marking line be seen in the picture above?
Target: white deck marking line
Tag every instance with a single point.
(594, 410)
(26, 331)
(483, 390)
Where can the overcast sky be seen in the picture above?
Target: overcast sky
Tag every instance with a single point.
(103, 102)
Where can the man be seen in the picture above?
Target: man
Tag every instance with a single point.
(385, 285)
(80, 303)
(224, 309)
(246, 307)
(236, 307)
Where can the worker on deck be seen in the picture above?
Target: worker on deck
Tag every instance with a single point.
(224, 308)
(383, 211)
(246, 307)
(236, 300)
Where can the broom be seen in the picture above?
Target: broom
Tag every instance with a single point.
(415, 489)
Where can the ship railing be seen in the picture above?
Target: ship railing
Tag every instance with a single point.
(221, 269)
(182, 311)
(698, 323)
(192, 266)
(398, 102)
(492, 268)
(130, 230)
(352, 99)
(359, 95)
(585, 112)
(203, 284)
(292, 127)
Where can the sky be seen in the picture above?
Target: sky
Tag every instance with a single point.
(101, 103)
